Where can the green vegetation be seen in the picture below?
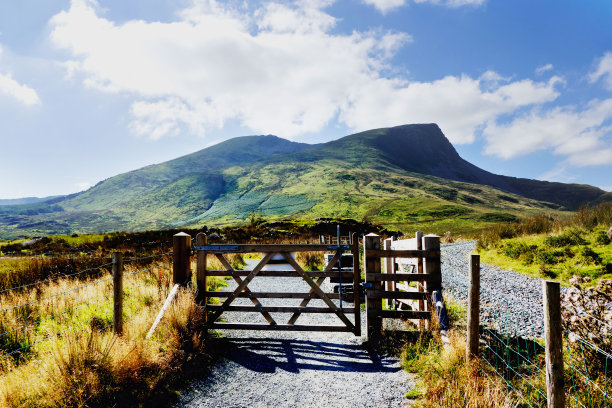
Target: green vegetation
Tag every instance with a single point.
(57, 348)
(554, 248)
(401, 178)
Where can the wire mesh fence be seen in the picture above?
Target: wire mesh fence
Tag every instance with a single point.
(513, 348)
(588, 368)
(513, 352)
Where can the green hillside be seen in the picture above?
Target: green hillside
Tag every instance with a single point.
(404, 178)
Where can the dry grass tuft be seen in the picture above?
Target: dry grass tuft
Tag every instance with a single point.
(74, 360)
(447, 380)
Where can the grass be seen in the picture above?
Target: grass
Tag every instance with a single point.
(366, 188)
(553, 248)
(60, 351)
(445, 379)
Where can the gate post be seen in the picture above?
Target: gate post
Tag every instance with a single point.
(356, 283)
(432, 267)
(201, 270)
(181, 271)
(373, 306)
(553, 336)
(389, 268)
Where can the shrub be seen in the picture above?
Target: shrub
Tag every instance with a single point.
(549, 257)
(602, 238)
(538, 224)
(311, 261)
(589, 256)
(518, 249)
(570, 237)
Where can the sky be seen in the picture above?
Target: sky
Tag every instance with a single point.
(91, 89)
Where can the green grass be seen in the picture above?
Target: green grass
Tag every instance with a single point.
(355, 177)
(558, 256)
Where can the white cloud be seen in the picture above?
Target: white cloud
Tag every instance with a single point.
(606, 188)
(459, 105)
(604, 71)
(543, 68)
(14, 89)
(278, 70)
(384, 6)
(580, 135)
(454, 3)
(22, 93)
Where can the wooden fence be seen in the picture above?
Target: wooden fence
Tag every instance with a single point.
(244, 277)
(427, 273)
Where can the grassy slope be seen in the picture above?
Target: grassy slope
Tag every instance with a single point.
(385, 195)
(360, 176)
(389, 196)
(558, 256)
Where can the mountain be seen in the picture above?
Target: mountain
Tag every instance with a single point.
(25, 200)
(405, 177)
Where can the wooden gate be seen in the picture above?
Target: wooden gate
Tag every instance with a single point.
(244, 277)
(427, 274)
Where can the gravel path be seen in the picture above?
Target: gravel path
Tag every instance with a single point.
(511, 300)
(295, 369)
(300, 369)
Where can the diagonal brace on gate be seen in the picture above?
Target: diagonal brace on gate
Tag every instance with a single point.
(237, 279)
(319, 282)
(242, 286)
(318, 290)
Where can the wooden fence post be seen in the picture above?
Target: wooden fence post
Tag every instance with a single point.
(553, 337)
(356, 283)
(389, 268)
(201, 270)
(373, 305)
(181, 270)
(473, 314)
(117, 293)
(420, 285)
(432, 265)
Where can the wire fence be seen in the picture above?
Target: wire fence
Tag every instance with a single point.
(513, 352)
(513, 349)
(589, 369)
(26, 326)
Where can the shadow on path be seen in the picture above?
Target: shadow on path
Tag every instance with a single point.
(267, 355)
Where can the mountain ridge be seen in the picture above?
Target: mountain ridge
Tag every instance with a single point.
(398, 176)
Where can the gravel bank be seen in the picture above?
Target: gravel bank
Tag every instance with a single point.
(295, 369)
(510, 299)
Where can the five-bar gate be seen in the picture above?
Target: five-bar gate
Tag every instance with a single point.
(314, 279)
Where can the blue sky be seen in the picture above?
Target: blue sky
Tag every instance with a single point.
(92, 89)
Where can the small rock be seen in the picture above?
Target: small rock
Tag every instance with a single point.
(610, 233)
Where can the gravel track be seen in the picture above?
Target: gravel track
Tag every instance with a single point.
(301, 369)
(295, 369)
(510, 300)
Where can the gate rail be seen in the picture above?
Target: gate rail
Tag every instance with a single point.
(429, 257)
(243, 278)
